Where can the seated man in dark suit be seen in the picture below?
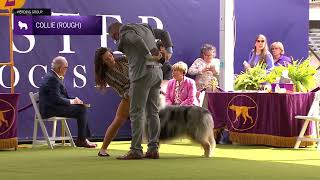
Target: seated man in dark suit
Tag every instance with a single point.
(54, 101)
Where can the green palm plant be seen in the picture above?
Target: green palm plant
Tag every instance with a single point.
(276, 72)
(302, 75)
(251, 78)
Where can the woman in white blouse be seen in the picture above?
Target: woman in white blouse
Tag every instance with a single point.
(206, 68)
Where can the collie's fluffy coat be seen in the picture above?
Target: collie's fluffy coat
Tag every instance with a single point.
(191, 121)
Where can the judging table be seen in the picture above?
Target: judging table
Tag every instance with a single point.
(261, 118)
(8, 120)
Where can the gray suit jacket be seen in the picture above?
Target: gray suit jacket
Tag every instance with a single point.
(136, 41)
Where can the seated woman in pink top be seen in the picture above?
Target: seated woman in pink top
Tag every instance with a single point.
(181, 90)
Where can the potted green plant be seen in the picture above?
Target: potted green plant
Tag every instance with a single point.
(251, 79)
(302, 75)
(300, 72)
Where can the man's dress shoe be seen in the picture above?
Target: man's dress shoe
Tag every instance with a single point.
(131, 155)
(152, 155)
(85, 143)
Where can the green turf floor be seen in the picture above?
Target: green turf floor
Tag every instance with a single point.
(179, 160)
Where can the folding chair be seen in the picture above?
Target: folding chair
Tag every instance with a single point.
(313, 116)
(200, 95)
(39, 120)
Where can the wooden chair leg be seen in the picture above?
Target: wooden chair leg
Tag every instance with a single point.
(35, 131)
(318, 134)
(54, 130)
(301, 134)
(45, 134)
(317, 129)
(63, 132)
(67, 130)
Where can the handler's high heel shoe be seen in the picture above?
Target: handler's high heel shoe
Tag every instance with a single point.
(103, 154)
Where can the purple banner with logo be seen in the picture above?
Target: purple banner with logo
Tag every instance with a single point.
(8, 120)
(190, 23)
(57, 25)
(266, 114)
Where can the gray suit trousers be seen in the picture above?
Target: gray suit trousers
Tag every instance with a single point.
(144, 103)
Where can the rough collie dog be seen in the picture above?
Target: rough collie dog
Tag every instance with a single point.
(193, 122)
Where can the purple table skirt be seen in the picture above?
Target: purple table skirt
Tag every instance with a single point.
(261, 118)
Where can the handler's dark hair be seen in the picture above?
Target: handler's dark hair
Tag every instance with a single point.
(100, 68)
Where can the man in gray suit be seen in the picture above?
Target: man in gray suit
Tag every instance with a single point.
(138, 43)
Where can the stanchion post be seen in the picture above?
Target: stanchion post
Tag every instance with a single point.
(11, 51)
(11, 62)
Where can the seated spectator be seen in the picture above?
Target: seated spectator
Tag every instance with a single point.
(206, 68)
(279, 58)
(55, 101)
(181, 90)
(260, 54)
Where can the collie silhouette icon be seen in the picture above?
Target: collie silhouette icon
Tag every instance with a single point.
(22, 25)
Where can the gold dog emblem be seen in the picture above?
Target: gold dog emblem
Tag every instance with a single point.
(242, 111)
(2, 118)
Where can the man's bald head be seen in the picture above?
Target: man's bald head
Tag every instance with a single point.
(59, 64)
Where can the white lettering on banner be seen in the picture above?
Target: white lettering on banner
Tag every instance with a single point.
(104, 27)
(66, 38)
(32, 42)
(16, 77)
(31, 74)
(66, 45)
(144, 19)
(80, 76)
(69, 25)
(45, 25)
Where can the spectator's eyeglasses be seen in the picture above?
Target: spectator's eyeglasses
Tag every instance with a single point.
(260, 41)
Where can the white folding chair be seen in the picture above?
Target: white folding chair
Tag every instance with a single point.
(200, 95)
(201, 98)
(39, 120)
(313, 116)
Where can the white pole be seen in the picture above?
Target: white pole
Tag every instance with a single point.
(226, 44)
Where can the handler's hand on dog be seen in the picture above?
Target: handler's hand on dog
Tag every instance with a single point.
(156, 55)
(157, 58)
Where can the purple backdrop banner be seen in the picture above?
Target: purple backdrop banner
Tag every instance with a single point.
(190, 23)
(286, 21)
